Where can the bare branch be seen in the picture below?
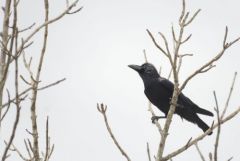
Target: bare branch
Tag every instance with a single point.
(199, 152)
(166, 44)
(155, 121)
(210, 156)
(30, 88)
(27, 66)
(5, 65)
(193, 17)
(209, 65)
(148, 152)
(186, 39)
(174, 36)
(8, 106)
(35, 87)
(225, 36)
(183, 12)
(145, 55)
(24, 80)
(52, 84)
(47, 23)
(47, 143)
(13, 133)
(14, 148)
(200, 137)
(184, 20)
(27, 147)
(73, 12)
(51, 151)
(27, 28)
(218, 128)
(180, 61)
(156, 44)
(229, 96)
(102, 109)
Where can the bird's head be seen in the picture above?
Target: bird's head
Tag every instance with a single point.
(147, 71)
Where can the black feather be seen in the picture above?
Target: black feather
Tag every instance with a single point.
(159, 91)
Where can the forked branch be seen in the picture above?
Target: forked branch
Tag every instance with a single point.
(209, 64)
(102, 109)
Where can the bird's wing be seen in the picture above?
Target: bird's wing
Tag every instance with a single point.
(185, 100)
(182, 99)
(188, 103)
(167, 84)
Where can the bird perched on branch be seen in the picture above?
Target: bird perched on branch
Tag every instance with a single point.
(159, 91)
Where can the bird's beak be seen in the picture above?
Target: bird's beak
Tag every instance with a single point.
(135, 67)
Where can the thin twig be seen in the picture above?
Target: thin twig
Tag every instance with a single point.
(148, 153)
(199, 152)
(102, 109)
(180, 61)
(77, 10)
(156, 44)
(229, 95)
(46, 158)
(27, 147)
(166, 44)
(30, 88)
(52, 84)
(184, 41)
(145, 55)
(8, 106)
(193, 17)
(174, 37)
(183, 12)
(210, 156)
(14, 148)
(27, 28)
(218, 128)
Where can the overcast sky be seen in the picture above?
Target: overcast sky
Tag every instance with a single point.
(92, 50)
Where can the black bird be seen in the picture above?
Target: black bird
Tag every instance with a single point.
(159, 91)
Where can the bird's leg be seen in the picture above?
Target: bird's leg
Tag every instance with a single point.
(157, 118)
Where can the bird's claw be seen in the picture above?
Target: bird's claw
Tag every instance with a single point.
(156, 118)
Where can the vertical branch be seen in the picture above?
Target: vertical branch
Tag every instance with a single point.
(35, 91)
(153, 115)
(229, 96)
(17, 103)
(145, 55)
(3, 50)
(47, 142)
(183, 22)
(199, 152)
(218, 129)
(148, 152)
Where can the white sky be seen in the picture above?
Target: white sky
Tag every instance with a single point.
(92, 50)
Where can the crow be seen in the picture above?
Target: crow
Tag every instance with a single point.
(159, 92)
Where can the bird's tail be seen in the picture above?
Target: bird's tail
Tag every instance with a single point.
(202, 125)
(203, 111)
